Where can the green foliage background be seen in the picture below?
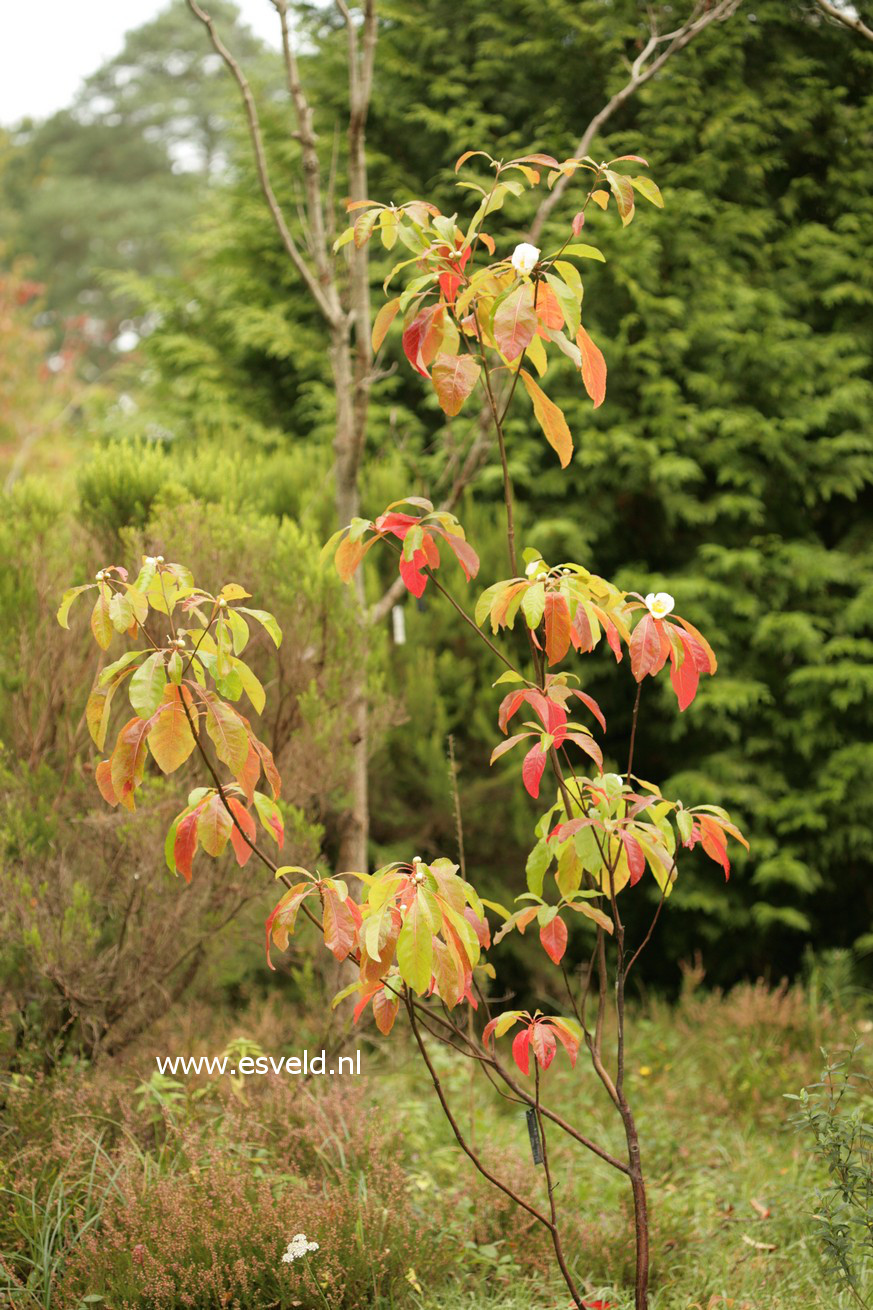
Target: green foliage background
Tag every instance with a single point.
(731, 464)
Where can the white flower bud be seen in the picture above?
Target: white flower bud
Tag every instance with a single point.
(659, 604)
(159, 559)
(98, 577)
(524, 258)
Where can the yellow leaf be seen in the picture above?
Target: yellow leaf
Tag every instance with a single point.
(550, 418)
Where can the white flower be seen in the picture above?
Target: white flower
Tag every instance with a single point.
(298, 1248)
(524, 258)
(660, 603)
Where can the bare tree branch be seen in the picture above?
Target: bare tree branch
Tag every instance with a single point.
(647, 63)
(327, 304)
(852, 21)
(309, 147)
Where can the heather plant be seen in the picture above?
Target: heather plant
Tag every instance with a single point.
(419, 933)
(834, 1114)
(95, 944)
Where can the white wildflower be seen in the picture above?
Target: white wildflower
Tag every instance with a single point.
(298, 1248)
(524, 258)
(660, 604)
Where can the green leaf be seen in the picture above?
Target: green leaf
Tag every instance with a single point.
(101, 622)
(509, 676)
(228, 734)
(415, 947)
(568, 300)
(147, 685)
(537, 863)
(533, 604)
(647, 189)
(267, 622)
(250, 685)
(585, 252)
(67, 600)
(486, 600)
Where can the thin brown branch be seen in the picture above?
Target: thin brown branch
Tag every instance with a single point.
(847, 19)
(327, 302)
(550, 1188)
(462, 1142)
(308, 139)
(647, 63)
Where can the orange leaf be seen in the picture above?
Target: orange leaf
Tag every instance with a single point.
(550, 418)
(241, 848)
(553, 936)
(127, 763)
(515, 321)
(103, 774)
(454, 377)
(557, 627)
(383, 321)
(171, 740)
(593, 367)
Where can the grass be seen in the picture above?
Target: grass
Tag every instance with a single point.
(95, 1176)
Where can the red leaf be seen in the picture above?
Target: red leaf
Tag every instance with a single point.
(509, 706)
(521, 1050)
(103, 776)
(557, 626)
(241, 848)
(552, 716)
(249, 774)
(593, 707)
(649, 647)
(705, 656)
(463, 551)
(553, 936)
(186, 844)
(593, 367)
(339, 924)
(567, 1038)
(532, 770)
(480, 927)
(385, 1009)
(636, 860)
(712, 839)
(588, 745)
(684, 677)
(542, 1039)
(614, 641)
(414, 337)
(411, 572)
(578, 223)
(515, 321)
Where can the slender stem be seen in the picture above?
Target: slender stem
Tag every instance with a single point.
(462, 1142)
(316, 1280)
(633, 734)
(550, 1187)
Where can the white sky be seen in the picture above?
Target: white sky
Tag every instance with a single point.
(48, 46)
